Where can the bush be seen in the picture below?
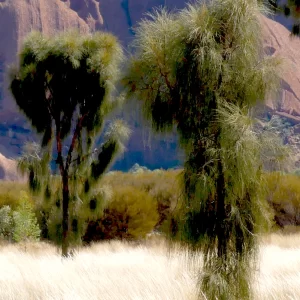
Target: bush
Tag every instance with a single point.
(25, 221)
(131, 214)
(163, 186)
(10, 193)
(6, 223)
(49, 213)
(283, 194)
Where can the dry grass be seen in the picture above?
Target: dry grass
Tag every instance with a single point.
(104, 271)
(279, 273)
(122, 271)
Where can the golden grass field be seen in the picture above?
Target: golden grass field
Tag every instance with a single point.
(117, 270)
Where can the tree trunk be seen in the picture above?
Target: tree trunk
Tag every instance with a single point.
(221, 212)
(65, 215)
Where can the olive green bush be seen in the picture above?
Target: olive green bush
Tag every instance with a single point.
(163, 186)
(25, 222)
(282, 194)
(19, 225)
(131, 214)
(99, 213)
(10, 193)
(284, 197)
(6, 223)
(49, 213)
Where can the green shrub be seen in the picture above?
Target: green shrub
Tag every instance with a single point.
(283, 194)
(53, 226)
(130, 214)
(25, 221)
(6, 223)
(163, 186)
(10, 193)
(49, 213)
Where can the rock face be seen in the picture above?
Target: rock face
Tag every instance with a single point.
(87, 10)
(8, 170)
(18, 17)
(120, 16)
(278, 42)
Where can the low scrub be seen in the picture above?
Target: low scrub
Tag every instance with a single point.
(127, 215)
(283, 194)
(130, 214)
(163, 186)
(19, 225)
(10, 193)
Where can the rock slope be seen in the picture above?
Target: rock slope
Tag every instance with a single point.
(8, 170)
(278, 41)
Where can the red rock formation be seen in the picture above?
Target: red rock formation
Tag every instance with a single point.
(8, 170)
(88, 10)
(278, 41)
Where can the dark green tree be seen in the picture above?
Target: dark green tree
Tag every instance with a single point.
(65, 86)
(202, 70)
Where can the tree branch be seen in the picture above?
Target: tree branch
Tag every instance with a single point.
(59, 159)
(74, 138)
(167, 81)
(47, 100)
(84, 156)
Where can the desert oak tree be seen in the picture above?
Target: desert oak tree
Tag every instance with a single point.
(201, 70)
(65, 86)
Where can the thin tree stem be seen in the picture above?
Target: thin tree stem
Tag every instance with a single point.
(65, 215)
(66, 195)
(74, 139)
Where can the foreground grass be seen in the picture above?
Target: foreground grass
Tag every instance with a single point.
(121, 271)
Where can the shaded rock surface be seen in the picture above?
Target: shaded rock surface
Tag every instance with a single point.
(8, 170)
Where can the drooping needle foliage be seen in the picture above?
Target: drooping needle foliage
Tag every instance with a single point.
(201, 70)
(65, 85)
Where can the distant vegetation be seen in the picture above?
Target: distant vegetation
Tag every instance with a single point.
(144, 202)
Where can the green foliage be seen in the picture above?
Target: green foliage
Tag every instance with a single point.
(163, 186)
(6, 222)
(201, 70)
(65, 85)
(18, 221)
(82, 207)
(10, 193)
(25, 222)
(74, 68)
(284, 196)
(130, 214)
(33, 164)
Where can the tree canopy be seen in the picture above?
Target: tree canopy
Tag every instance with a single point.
(202, 70)
(65, 85)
